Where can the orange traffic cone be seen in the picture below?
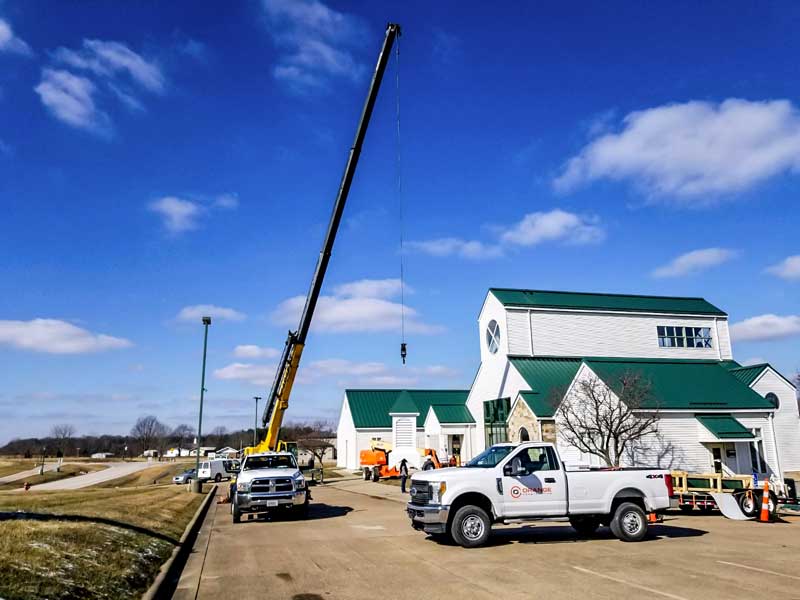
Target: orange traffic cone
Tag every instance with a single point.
(652, 517)
(764, 516)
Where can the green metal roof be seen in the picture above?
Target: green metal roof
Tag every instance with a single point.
(748, 375)
(682, 384)
(404, 404)
(725, 427)
(590, 301)
(371, 408)
(452, 413)
(548, 378)
(729, 364)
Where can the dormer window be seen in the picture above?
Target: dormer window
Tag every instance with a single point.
(493, 336)
(684, 337)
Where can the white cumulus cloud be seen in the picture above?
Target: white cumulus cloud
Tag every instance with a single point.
(766, 327)
(695, 262)
(252, 351)
(70, 98)
(693, 151)
(251, 373)
(9, 42)
(54, 336)
(788, 268)
(314, 43)
(357, 306)
(177, 215)
(198, 311)
(554, 226)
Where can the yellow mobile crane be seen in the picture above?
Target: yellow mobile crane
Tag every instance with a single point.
(278, 399)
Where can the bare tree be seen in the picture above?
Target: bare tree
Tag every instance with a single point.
(182, 433)
(315, 438)
(146, 430)
(63, 434)
(161, 435)
(597, 421)
(220, 435)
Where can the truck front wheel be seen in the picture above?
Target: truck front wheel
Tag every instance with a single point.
(237, 514)
(471, 526)
(629, 523)
(584, 526)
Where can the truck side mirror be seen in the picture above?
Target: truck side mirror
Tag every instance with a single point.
(507, 470)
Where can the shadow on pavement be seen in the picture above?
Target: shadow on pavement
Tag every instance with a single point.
(29, 516)
(531, 534)
(316, 512)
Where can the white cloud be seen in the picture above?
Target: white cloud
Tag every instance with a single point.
(338, 367)
(56, 337)
(229, 201)
(10, 42)
(70, 99)
(108, 59)
(453, 246)
(254, 374)
(198, 311)
(766, 327)
(754, 360)
(313, 41)
(178, 215)
(788, 268)
(534, 228)
(554, 226)
(695, 262)
(693, 150)
(371, 288)
(255, 352)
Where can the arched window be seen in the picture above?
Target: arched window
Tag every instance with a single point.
(774, 399)
(523, 435)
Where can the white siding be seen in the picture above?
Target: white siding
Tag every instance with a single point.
(346, 442)
(493, 310)
(724, 345)
(518, 332)
(565, 333)
(404, 432)
(787, 420)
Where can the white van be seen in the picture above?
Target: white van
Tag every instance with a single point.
(218, 469)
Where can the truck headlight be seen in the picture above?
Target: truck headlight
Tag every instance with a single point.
(437, 492)
(299, 482)
(243, 486)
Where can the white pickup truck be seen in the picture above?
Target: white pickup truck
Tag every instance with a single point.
(269, 482)
(509, 483)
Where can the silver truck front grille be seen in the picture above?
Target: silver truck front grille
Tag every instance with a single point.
(272, 485)
(420, 492)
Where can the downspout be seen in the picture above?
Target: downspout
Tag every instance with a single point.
(775, 444)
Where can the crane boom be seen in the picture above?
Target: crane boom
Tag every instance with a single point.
(278, 399)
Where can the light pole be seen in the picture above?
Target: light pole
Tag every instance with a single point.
(255, 422)
(197, 486)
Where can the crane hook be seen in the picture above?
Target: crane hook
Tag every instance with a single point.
(403, 351)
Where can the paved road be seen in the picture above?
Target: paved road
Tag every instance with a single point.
(28, 473)
(113, 471)
(356, 546)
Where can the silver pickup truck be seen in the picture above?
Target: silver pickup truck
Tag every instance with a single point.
(509, 483)
(269, 482)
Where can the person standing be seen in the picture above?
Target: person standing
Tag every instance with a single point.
(403, 475)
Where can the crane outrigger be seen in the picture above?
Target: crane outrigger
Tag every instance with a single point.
(278, 399)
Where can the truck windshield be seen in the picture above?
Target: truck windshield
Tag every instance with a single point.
(490, 457)
(269, 462)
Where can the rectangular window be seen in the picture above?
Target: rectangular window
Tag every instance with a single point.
(683, 337)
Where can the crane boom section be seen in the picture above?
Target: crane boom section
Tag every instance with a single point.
(278, 399)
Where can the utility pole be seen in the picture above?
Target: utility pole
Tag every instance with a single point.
(255, 422)
(197, 485)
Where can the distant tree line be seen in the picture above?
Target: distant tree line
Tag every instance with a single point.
(148, 433)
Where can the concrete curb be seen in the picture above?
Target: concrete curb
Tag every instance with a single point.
(167, 574)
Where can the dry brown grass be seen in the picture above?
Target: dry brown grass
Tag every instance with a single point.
(109, 544)
(161, 473)
(11, 466)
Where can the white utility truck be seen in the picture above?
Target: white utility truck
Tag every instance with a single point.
(512, 483)
(268, 482)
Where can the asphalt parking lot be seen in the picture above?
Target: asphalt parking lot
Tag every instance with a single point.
(358, 546)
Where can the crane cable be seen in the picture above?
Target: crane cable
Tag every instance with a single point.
(400, 205)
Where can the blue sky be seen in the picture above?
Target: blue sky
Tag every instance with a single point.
(163, 160)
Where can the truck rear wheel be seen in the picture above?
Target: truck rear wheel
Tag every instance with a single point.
(471, 526)
(237, 514)
(584, 526)
(629, 523)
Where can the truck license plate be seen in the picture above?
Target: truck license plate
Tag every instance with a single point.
(271, 503)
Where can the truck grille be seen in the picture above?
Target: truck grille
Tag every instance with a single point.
(271, 486)
(420, 492)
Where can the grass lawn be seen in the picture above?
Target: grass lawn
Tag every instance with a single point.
(110, 543)
(157, 474)
(66, 471)
(12, 466)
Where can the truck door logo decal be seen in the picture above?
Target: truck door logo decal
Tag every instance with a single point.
(517, 491)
